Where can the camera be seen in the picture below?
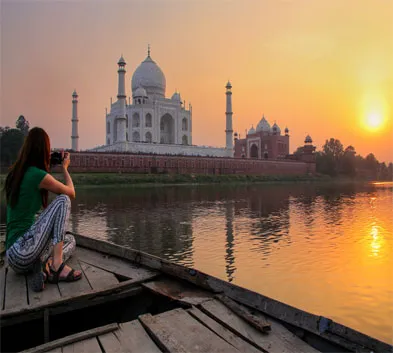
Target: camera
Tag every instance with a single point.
(56, 158)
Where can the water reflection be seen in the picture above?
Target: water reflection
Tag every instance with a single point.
(326, 249)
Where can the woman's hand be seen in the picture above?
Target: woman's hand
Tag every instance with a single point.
(66, 160)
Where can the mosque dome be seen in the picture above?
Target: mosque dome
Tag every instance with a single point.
(276, 129)
(140, 92)
(176, 97)
(149, 76)
(263, 125)
(286, 130)
(308, 139)
(251, 131)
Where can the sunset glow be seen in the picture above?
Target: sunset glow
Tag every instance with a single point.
(322, 68)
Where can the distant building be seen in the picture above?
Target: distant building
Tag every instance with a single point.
(264, 142)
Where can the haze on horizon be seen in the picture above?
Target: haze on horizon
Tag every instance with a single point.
(322, 68)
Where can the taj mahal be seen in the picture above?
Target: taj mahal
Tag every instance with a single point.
(153, 124)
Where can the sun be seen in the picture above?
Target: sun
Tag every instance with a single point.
(374, 121)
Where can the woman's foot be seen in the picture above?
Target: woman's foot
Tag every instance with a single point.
(63, 273)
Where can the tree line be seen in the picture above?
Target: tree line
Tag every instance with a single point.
(336, 161)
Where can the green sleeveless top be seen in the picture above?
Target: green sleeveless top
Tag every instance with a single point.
(21, 217)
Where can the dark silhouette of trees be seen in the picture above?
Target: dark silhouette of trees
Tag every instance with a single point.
(335, 161)
(11, 140)
(23, 125)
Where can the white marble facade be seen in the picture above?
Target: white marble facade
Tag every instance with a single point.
(152, 122)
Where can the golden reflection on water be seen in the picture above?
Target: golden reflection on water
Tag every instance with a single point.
(326, 250)
(376, 241)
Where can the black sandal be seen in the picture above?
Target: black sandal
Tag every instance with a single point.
(54, 276)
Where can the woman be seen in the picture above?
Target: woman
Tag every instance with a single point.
(32, 242)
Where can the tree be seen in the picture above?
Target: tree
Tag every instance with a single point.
(348, 162)
(372, 166)
(333, 148)
(23, 125)
(10, 143)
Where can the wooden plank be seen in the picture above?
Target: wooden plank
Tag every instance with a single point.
(134, 338)
(110, 343)
(77, 337)
(57, 350)
(273, 308)
(255, 319)
(112, 264)
(16, 291)
(3, 275)
(49, 294)
(98, 278)
(177, 331)
(178, 290)
(122, 290)
(87, 346)
(73, 289)
(221, 331)
(278, 340)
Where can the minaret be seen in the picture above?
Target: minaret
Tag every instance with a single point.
(228, 113)
(74, 120)
(122, 98)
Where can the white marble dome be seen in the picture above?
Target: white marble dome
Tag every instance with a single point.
(276, 129)
(140, 92)
(251, 131)
(176, 97)
(263, 125)
(149, 76)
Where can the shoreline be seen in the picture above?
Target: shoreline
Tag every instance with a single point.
(87, 180)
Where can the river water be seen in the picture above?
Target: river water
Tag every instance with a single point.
(323, 248)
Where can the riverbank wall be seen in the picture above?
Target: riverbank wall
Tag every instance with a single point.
(102, 162)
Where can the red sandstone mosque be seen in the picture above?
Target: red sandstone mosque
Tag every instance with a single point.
(264, 142)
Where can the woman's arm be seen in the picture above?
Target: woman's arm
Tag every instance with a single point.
(51, 184)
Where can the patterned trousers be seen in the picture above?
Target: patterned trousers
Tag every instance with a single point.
(48, 230)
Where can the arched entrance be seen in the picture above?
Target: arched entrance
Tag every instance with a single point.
(167, 129)
(185, 140)
(254, 151)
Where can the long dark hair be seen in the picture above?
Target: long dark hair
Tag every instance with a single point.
(35, 152)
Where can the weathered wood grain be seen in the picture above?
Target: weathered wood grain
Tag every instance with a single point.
(69, 340)
(49, 294)
(256, 319)
(121, 290)
(87, 346)
(269, 306)
(278, 340)
(70, 289)
(112, 264)
(221, 331)
(3, 273)
(134, 338)
(56, 350)
(178, 331)
(16, 291)
(111, 343)
(183, 292)
(98, 278)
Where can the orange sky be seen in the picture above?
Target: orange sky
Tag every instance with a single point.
(318, 67)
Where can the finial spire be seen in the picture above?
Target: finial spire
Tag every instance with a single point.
(148, 50)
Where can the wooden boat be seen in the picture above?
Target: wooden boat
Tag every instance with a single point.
(130, 301)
